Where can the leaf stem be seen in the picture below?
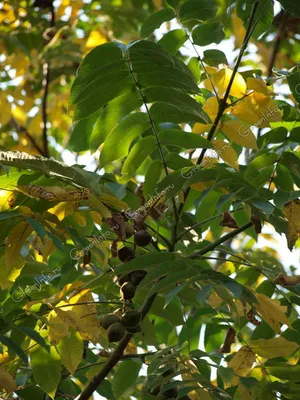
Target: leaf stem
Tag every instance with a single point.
(155, 133)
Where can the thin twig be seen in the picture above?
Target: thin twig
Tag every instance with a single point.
(22, 129)
(221, 240)
(46, 82)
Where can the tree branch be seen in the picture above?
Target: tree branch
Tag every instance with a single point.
(22, 129)
(222, 239)
(117, 354)
(46, 82)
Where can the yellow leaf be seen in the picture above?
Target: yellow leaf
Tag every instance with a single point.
(19, 115)
(94, 203)
(44, 246)
(241, 363)
(257, 109)
(240, 309)
(211, 107)
(96, 217)
(95, 39)
(238, 30)
(80, 218)
(201, 128)
(199, 393)
(221, 79)
(243, 393)
(272, 312)
(7, 199)
(215, 300)
(131, 347)
(258, 85)
(55, 193)
(35, 125)
(13, 260)
(57, 328)
(198, 186)
(64, 209)
(5, 114)
(87, 314)
(62, 8)
(7, 382)
(226, 152)
(70, 350)
(76, 6)
(276, 347)
(292, 214)
(244, 111)
(113, 201)
(239, 133)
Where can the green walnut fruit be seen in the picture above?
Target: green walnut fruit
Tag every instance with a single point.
(128, 290)
(154, 391)
(108, 320)
(126, 254)
(120, 279)
(170, 393)
(137, 276)
(134, 329)
(116, 332)
(142, 238)
(131, 318)
(168, 372)
(129, 229)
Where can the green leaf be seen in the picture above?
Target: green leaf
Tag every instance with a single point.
(284, 371)
(173, 3)
(119, 140)
(152, 176)
(173, 40)
(293, 79)
(264, 11)
(53, 168)
(117, 84)
(14, 348)
(111, 115)
(226, 374)
(185, 272)
(291, 6)
(179, 268)
(147, 261)
(34, 335)
(214, 57)
(201, 10)
(295, 135)
(258, 163)
(184, 106)
(171, 184)
(70, 349)
(183, 139)
(80, 136)
(46, 368)
(155, 20)
(143, 148)
(100, 61)
(162, 112)
(125, 376)
(208, 33)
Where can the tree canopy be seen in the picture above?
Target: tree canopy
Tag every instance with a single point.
(149, 187)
